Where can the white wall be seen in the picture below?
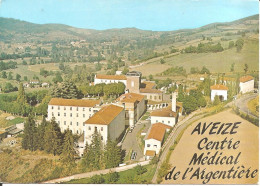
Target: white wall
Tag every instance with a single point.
(170, 121)
(108, 81)
(247, 86)
(218, 93)
(152, 144)
(70, 117)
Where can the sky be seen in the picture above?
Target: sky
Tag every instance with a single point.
(156, 15)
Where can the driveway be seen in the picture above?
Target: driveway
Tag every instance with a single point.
(130, 143)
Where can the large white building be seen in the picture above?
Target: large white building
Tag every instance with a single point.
(246, 84)
(219, 90)
(168, 115)
(134, 105)
(72, 113)
(109, 121)
(154, 139)
(107, 79)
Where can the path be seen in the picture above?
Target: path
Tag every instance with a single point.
(90, 174)
(241, 103)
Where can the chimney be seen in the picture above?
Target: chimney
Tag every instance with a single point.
(174, 101)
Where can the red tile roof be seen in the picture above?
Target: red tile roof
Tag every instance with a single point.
(157, 131)
(246, 78)
(218, 87)
(112, 77)
(165, 112)
(151, 91)
(148, 84)
(74, 102)
(130, 98)
(105, 115)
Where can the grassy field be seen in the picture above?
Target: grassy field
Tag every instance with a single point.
(253, 104)
(7, 123)
(247, 133)
(215, 62)
(125, 177)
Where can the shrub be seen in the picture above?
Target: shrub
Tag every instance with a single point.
(140, 169)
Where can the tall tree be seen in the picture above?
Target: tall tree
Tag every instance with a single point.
(68, 151)
(112, 154)
(53, 138)
(40, 134)
(21, 98)
(29, 140)
(246, 68)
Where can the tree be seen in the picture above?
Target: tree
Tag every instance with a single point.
(10, 76)
(69, 90)
(68, 152)
(40, 134)
(55, 92)
(150, 77)
(125, 71)
(97, 179)
(231, 44)
(239, 44)
(53, 138)
(29, 140)
(18, 77)
(4, 74)
(216, 100)
(57, 78)
(112, 154)
(232, 68)
(140, 170)
(25, 78)
(204, 70)
(21, 98)
(246, 68)
(162, 61)
(112, 177)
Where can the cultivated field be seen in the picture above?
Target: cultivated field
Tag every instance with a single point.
(247, 135)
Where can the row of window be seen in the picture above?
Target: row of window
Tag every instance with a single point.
(77, 123)
(77, 108)
(77, 115)
(148, 145)
(95, 128)
(163, 121)
(155, 97)
(109, 81)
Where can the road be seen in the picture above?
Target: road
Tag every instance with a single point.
(241, 103)
(130, 142)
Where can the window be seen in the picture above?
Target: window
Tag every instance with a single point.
(156, 121)
(64, 108)
(77, 108)
(71, 123)
(148, 145)
(162, 121)
(64, 122)
(90, 109)
(52, 114)
(168, 121)
(155, 146)
(95, 128)
(89, 128)
(58, 122)
(159, 97)
(150, 97)
(83, 124)
(83, 109)
(64, 114)
(58, 107)
(101, 128)
(70, 108)
(58, 114)
(155, 97)
(83, 115)
(77, 131)
(77, 115)
(89, 115)
(132, 83)
(102, 138)
(52, 107)
(70, 114)
(77, 123)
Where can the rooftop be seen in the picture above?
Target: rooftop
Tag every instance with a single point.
(74, 102)
(157, 131)
(246, 78)
(148, 84)
(151, 91)
(105, 115)
(112, 77)
(130, 98)
(164, 112)
(218, 87)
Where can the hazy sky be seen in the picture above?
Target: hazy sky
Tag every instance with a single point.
(143, 14)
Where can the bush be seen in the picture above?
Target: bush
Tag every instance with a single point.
(140, 169)
(113, 177)
(98, 179)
